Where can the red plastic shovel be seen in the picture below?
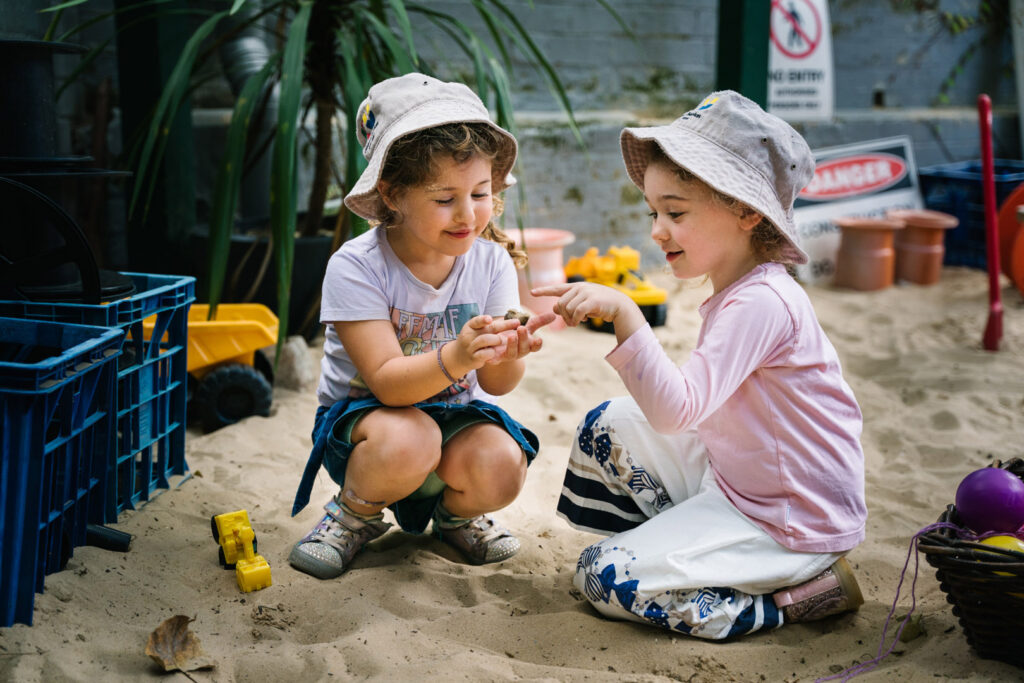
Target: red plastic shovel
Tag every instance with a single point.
(994, 327)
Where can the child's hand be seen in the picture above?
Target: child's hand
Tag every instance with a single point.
(523, 340)
(490, 340)
(483, 338)
(578, 301)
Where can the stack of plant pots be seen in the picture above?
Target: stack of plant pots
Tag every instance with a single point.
(908, 245)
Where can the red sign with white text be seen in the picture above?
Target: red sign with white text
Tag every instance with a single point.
(855, 175)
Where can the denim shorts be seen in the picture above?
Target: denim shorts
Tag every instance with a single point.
(331, 449)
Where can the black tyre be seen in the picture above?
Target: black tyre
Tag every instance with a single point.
(602, 326)
(265, 365)
(213, 528)
(655, 314)
(575, 278)
(223, 560)
(231, 393)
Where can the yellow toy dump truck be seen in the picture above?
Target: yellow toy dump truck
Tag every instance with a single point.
(620, 269)
(228, 379)
(238, 550)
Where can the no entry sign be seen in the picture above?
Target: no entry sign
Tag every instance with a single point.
(800, 74)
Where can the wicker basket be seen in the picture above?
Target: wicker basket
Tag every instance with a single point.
(985, 585)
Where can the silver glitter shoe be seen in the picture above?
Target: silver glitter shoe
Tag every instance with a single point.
(481, 540)
(327, 550)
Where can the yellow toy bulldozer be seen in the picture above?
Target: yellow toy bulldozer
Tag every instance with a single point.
(620, 269)
(237, 550)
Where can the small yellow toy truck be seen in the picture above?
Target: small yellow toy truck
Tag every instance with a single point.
(620, 269)
(238, 550)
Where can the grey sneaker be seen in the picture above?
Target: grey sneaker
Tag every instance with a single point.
(481, 540)
(327, 550)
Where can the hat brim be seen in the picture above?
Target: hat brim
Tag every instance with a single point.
(716, 166)
(364, 199)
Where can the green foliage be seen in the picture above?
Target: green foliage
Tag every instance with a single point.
(992, 21)
(333, 51)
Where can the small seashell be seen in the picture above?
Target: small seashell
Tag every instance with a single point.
(521, 315)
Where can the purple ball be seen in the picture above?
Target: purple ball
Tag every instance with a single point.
(991, 499)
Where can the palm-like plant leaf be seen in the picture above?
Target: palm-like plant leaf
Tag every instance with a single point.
(167, 107)
(373, 40)
(402, 19)
(521, 37)
(104, 16)
(229, 177)
(353, 90)
(282, 173)
(405, 61)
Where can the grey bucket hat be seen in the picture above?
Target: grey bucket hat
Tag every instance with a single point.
(406, 104)
(740, 150)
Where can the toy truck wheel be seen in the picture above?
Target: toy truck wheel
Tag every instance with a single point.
(262, 363)
(655, 314)
(230, 393)
(214, 529)
(223, 560)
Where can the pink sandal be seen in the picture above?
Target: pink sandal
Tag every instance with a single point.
(831, 592)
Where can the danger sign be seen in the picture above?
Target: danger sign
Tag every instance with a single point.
(800, 74)
(854, 175)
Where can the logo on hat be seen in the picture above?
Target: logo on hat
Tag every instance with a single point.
(694, 113)
(367, 121)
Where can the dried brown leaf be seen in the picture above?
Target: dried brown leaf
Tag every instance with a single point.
(174, 647)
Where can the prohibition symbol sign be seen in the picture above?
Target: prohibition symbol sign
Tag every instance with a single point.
(795, 27)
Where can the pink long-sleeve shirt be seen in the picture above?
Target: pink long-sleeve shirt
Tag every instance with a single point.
(766, 394)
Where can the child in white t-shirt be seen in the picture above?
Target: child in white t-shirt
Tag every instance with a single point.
(416, 336)
(730, 486)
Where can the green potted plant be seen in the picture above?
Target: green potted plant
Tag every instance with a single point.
(328, 53)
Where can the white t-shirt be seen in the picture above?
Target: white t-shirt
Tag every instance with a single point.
(365, 280)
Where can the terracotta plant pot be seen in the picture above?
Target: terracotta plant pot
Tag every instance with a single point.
(866, 258)
(546, 266)
(920, 247)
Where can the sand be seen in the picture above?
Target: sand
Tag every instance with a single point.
(936, 406)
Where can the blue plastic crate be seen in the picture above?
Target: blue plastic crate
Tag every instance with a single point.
(152, 382)
(957, 189)
(57, 428)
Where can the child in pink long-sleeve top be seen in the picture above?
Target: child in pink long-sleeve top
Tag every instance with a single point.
(730, 487)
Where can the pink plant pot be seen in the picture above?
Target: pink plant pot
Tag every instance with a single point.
(546, 266)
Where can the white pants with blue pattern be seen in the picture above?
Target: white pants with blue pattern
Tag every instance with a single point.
(679, 554)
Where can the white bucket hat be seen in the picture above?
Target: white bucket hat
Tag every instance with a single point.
(738, 149)
(409, 103)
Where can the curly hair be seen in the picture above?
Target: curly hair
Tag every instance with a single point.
(412, 160)
(767, 241)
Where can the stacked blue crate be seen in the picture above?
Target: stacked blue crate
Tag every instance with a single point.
(152, 382)
(957, 189)
(57, 427)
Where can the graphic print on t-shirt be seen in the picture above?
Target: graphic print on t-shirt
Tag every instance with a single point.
(419, 332)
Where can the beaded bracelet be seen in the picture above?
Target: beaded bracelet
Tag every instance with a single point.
(440, 364)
